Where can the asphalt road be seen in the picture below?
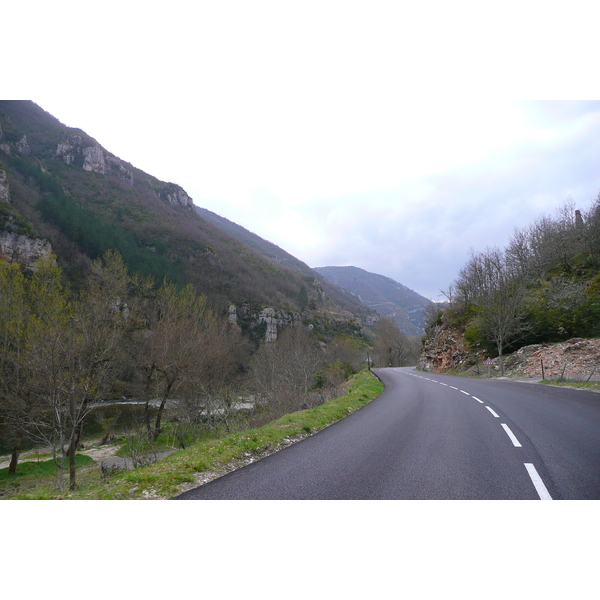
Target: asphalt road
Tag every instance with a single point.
(432, 436)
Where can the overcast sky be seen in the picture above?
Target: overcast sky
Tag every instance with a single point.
(370, 134)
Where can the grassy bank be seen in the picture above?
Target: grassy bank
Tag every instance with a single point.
(584, 385)
(209, 458)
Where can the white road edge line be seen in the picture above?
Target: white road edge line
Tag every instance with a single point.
(540, 488)
(493, 412)
(511, 435)
(478, 400)
(444, 384)
(454, 388)
(467, 393)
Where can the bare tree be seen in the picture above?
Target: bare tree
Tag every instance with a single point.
(96, 335)
(391, 345)
(283, 372)
(503, 316)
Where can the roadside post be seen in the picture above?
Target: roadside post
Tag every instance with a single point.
(489, 364)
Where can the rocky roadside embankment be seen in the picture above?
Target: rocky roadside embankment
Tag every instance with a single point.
(578, 359)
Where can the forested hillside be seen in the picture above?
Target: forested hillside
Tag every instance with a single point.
(65, 188)
(543, 287)
(340, 296)
(113, 287)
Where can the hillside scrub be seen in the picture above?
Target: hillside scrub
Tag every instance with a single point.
(213, 457)
(543, 287)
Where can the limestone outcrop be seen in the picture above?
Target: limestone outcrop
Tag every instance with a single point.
(176, 195)
(84, 152)
(14, 246)
(273, 321)
(22, 249)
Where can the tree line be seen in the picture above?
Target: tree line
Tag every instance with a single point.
(544, 286)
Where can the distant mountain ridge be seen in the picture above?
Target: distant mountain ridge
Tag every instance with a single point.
(382, 294)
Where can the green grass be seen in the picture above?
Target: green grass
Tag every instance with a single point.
(586, 385)
(164, 478)
(37, 478)
(43, 468)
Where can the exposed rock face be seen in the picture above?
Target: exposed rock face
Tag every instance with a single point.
(268, 316)
(277, 320)
(22, 146)
(274, 320)
(176, 195)
(22, 249)
(75, 149)
(124, 173)
(444, 349)
(90, 156)
(576, 358)
(93, 160)
(4, 190)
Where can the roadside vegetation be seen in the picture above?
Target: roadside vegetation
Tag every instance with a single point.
(544, 287)
(572, 383)
(67, 356)
(215, 454)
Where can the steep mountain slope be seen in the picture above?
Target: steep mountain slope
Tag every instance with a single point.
(342, 297)
(386, 296)
(58, 184)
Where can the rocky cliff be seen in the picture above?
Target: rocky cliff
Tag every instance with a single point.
(15, 246)
(22, 249)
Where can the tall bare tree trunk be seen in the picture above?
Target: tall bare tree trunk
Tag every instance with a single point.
(14, 459)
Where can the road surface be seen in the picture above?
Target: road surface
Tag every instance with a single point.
(430, 436)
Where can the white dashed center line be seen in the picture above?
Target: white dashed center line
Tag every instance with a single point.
(537, 482)
(531, 470)
(511, 435)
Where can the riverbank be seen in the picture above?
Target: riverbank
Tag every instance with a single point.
(209, 459)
